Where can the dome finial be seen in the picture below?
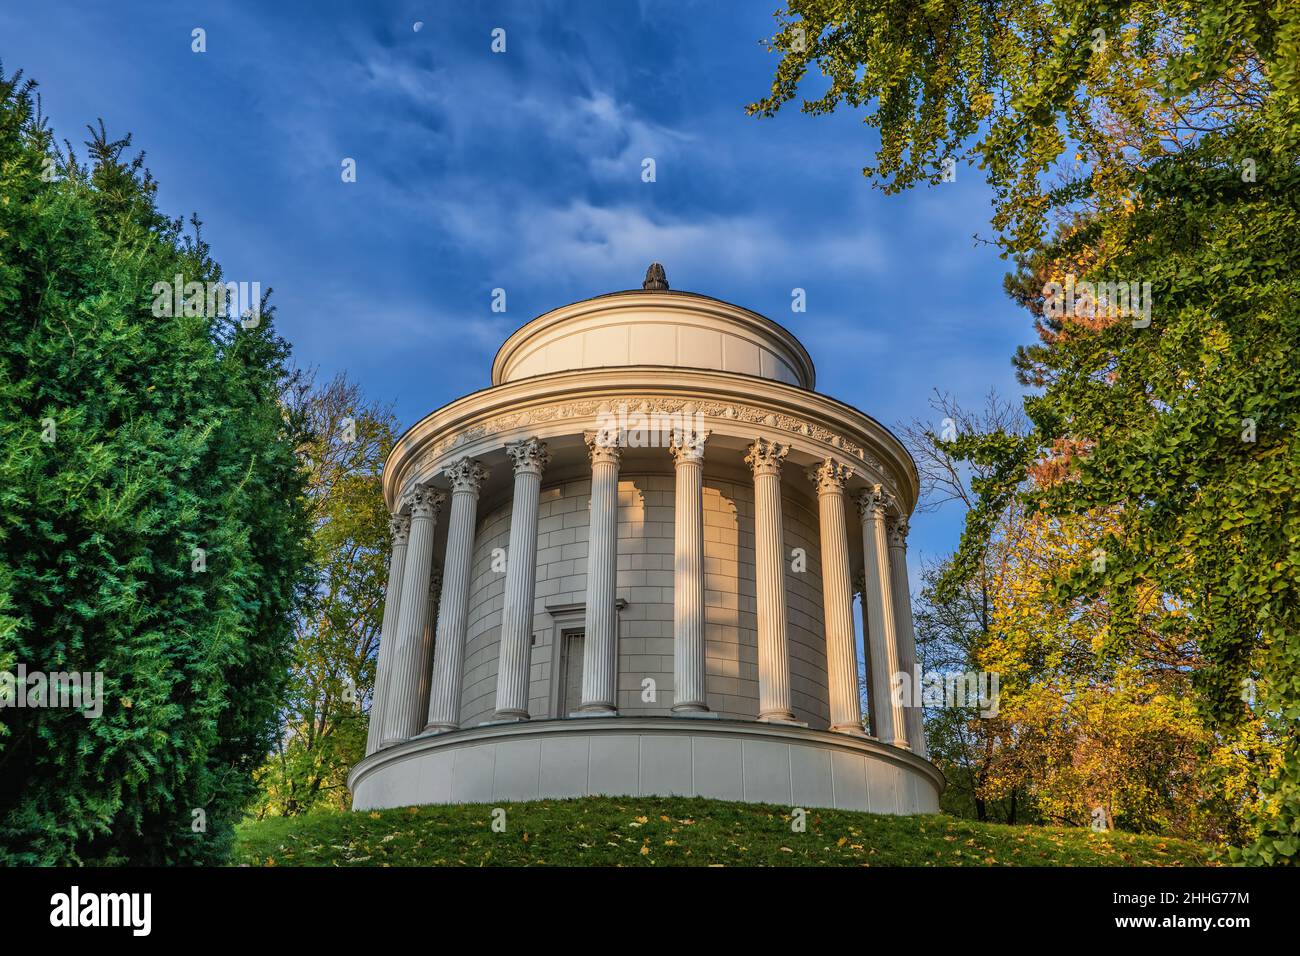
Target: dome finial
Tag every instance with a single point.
(655, 279)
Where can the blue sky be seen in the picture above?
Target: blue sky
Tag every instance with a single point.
(522, 170)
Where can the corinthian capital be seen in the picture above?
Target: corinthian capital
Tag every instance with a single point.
(897, 532)
(874, 502)
(424, 502)
(399, 526)
(603, 446)
(466, 475)
(687, 445)
(529, 456)
(830, 477)
(766, 457)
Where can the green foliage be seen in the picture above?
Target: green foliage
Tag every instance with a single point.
(977, 461)
(167, 436)
(952, 623)
(1017, 85)
(1194, 424)
(336, 635)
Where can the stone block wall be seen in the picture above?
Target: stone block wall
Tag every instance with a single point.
(645, 582)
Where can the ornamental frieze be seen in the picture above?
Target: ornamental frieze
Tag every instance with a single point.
(650, 407)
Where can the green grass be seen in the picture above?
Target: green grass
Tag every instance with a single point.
(659, 831)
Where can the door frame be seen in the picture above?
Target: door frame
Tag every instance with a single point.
(565, 620)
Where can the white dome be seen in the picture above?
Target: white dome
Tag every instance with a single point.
(654, 327)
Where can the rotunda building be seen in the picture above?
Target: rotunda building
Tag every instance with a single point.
(628, 568)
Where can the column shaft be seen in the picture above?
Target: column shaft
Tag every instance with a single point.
(466, 477)
(887, 711)
(430, 639)
(410, 656)
(860, 585)
(837, 598)
(765, 459)
(600, 640)
(902, 598)
(689, 688)
(400, 527)
(515, 649)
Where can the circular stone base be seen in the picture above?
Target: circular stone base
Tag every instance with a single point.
(648, 756)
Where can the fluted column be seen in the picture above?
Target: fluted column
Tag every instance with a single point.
(430, 638)
(466, 477)
(860, 586)
(515, 649)
(887, 712)
(764, 460)
(830, 478)
(689, 690)
(410, 656)
(600, 641)
(902, 594)
(399, 527)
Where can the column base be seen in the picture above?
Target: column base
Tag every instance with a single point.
(595, 710)
(504, 718)
(689, 708)
(431, 729)
(785, 721)
(696, 715)
(852, 730)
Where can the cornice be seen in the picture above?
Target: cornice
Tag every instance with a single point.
(727, 399)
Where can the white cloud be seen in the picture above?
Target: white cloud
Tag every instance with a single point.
(614, 140)
(593, 243)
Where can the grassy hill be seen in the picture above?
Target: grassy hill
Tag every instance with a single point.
(658, 831)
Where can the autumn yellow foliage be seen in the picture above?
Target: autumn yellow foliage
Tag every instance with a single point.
(1100, 731)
